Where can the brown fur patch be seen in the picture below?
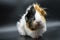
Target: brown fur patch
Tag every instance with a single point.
(39, 9)
(35, 26)
(27, 24)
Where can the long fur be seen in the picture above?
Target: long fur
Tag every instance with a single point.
(23, 28)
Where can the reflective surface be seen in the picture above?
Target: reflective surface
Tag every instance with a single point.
(11, 33)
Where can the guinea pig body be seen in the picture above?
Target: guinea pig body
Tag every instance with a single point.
(33, 28)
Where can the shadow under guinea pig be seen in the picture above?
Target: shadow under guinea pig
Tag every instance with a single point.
(29, 38)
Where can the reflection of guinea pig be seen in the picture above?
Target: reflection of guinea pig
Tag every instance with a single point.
(33, 22)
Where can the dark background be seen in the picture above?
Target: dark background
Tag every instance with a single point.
(12, 10)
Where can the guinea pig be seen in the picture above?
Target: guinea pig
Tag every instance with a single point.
(33, 22)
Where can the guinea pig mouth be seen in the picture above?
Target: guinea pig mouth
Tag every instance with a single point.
(34, 26)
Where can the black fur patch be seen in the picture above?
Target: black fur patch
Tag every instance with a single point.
(30, 15)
